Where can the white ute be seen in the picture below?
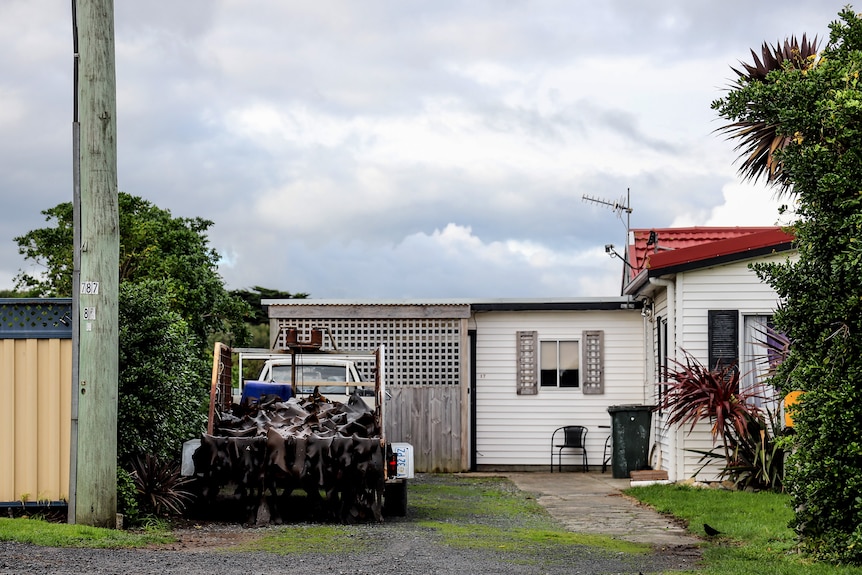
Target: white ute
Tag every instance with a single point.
(334, 376)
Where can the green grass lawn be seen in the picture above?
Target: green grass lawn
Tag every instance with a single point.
(755, 537)
(48, 534)
(490, 513)
(471, 513)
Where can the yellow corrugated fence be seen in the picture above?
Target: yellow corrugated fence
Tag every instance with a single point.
(35, 416)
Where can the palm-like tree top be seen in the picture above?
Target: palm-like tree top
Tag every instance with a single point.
(758, 140)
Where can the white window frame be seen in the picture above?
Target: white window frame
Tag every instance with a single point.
(579, 359)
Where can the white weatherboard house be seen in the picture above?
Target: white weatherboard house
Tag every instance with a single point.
(587, 355)
(701, 297)
(461, 392)
(482, 384)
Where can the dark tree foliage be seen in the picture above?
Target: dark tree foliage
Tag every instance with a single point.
(254, 296)
(817, 110)
(8, 293)
(760, 141)
(50, 248)
(161, 398)
(154, 245)
(171, 299)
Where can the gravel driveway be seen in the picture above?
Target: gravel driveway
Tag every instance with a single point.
(399, 546)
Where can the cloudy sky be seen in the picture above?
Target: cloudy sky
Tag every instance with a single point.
(384, 149)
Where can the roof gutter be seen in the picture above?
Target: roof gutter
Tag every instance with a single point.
(573, 305)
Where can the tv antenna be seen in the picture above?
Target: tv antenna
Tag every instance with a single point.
(622, 205)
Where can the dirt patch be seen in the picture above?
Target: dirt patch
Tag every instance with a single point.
(207, 537)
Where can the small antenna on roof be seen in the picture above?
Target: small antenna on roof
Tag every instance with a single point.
(624, 204)
(620, 206)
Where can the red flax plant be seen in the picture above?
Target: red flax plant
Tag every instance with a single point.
(696, 393)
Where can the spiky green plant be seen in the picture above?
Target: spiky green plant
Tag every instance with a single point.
(746, 431)
(697, 393)
(160, 485)
(760, 142)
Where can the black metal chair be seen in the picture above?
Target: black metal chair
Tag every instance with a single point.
(608, 453)
(573, 437)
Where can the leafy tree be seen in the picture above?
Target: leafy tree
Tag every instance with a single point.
(257, 321)
(171, 299)
(816, 111)
(153, 246)
(50, 247)
(761, 140)
(8, 293)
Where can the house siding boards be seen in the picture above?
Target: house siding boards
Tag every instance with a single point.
(661, 434)
(515, 430)
(731, 286)
(510, 429)
(735, 287)
(369, 316)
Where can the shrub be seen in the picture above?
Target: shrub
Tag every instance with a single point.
(127, 498)
(160, 487)
(815, 110)
(161, 396)
(752, 458)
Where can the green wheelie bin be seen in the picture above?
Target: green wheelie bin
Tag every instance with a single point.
(630, 434)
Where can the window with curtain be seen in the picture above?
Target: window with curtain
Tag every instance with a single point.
(756, 357)
(559, 363)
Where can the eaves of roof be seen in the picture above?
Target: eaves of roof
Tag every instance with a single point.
(575, 304)
(475, 305)
(646, 242)
(719, 252)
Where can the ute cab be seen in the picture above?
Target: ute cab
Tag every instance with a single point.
(333, 376)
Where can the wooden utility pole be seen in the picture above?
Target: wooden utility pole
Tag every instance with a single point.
(93, 493)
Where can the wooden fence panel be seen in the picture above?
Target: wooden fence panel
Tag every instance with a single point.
(429, 418)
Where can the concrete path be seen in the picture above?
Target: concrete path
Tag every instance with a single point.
(594, 503)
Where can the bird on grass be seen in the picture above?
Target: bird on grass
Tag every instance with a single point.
(710, 530)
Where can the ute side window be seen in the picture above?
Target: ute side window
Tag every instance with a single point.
(282, 373)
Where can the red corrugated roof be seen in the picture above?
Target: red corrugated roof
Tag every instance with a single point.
(676, 246)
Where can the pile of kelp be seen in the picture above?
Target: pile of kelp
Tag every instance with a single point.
(268, 453)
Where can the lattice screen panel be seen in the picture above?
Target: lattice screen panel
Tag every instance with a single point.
(528, 362)
(418, 351)
(594, 362)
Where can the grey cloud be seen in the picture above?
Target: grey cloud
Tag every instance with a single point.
(184, 68)
(185, 20)
(626, 124)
